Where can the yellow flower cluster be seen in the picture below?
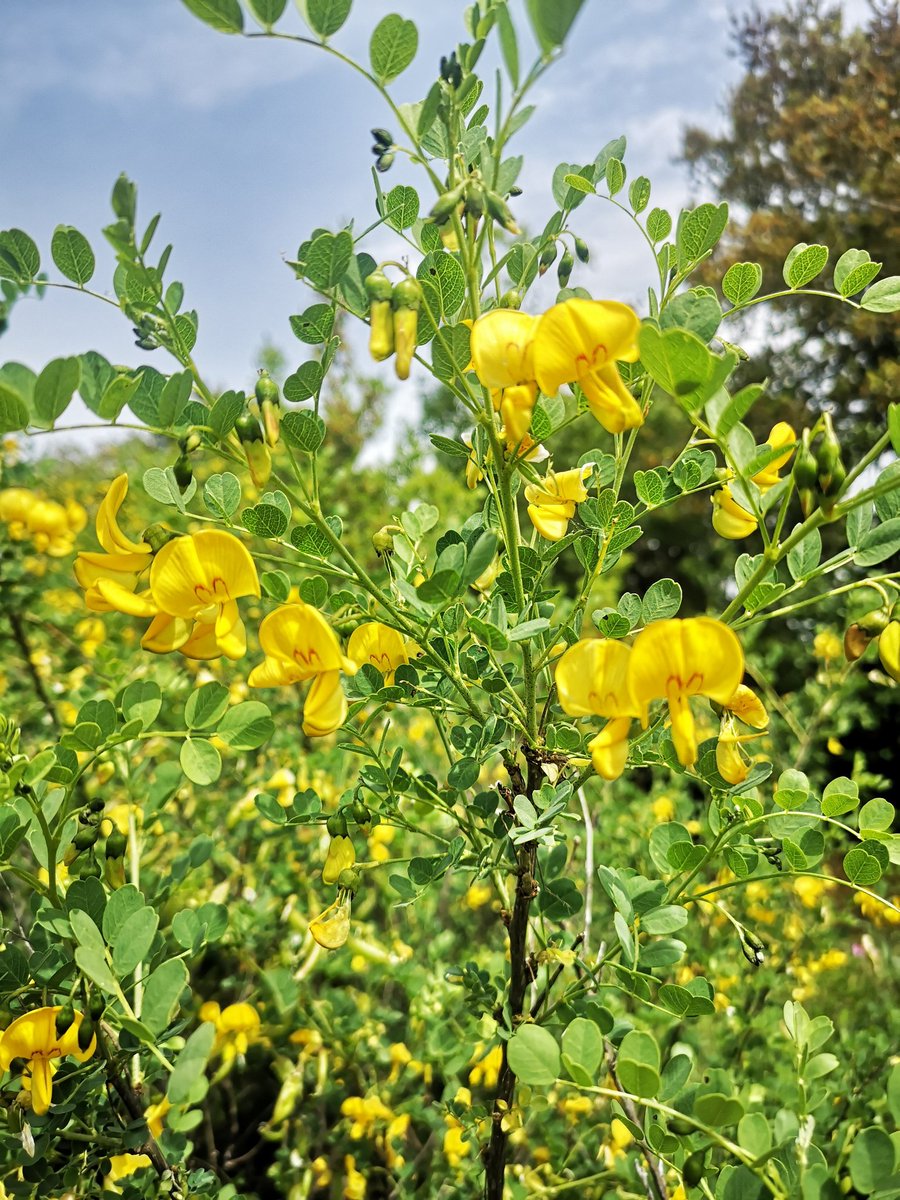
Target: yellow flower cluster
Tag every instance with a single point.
(237, 1027)
(51, 527)
(34, 1038)
(371, 1119)
(671, 660)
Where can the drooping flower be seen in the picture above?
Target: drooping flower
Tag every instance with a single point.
(676, 659)
(551, 503)
(331, 928)
(747, 707)
(341, 854)
(34, 1038)
(155, 1116)
(780, 435)
(196, 582)
(580, 341)
(502, 346)
(121, 1166)
(730, 519)
(299, 644)
(237, 1027)
(123, 560)
(732, 761)
(592, 680)
(379, 645)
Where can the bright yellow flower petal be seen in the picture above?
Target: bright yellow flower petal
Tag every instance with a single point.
(516, 408)
(781, 434)
(239, 1018)
(190, 575)
(124, 600)
(210, 1011)
(166, 633)
(41, 1084)
(331, 928)
(379, 645)
(90, 566)
(551, 520)
(609, 749)
(325, 709)
(501, 347)
(341, 854)
(33, 1032)
(109, 535)
(610, 401)
(730, 519)
(301, 643)
(592, 679)
(747, 706)
(889, 649)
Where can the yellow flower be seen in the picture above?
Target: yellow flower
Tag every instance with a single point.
(827, 645)
(617, 1143)
(155, 1115)
(122, 1165)
(889, 649)
(663, 809)
(871, 908)
(299, 644)
(33, 1037)
(747, 707)
(364, 1113)
(730, 519)
(341, 854)
(551, 503)
(474, 472)
(580, 341)
(477, 895)
(237, 1026)
(780, 435)
(379, 645)
(124, 560)
(322, 1171)
(196, 582)
(676, 659)
(502, 354)
(732, 761)
(486, 1070)
(51, 526)
(355, 1182)
(331, 928)
(455, 1149)
(592, 680)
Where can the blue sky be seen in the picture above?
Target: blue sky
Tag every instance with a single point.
(245, 146)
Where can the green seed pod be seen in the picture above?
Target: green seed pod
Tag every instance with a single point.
(337, 824)
(85, 1034)
(385, 162)
(475, 198)
(383, 139)
(502, 214)
(381, 319)
(361, 814)
(90, 869)
(183, 472)
(547, 259)
(191, 441)
(85, 838)
(694, 1168)
(269, 399)
(564, 270)
(680, 1127)
(581, 249)
(97, 1006)
(405, 301)
(97, 804)
(65, 1019)
(116, 844)
(383, 541)
(267, 388)
(874, 622)
(444, 206)
(247, 428)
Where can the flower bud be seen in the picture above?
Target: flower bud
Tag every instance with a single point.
(85, 838)
(511, 299)
(383, 139)
(564, 270)
(269, 399)
(156, 535)
(65, 1019)
(445, 205)
(383, 541)
(501, 212)
(85, 1034)
(336, 825)
(475, 198)
(385, 162)
(97, 1006)
(805, 469)
(889, 649)
(183, 472)
(405, 301)
(547, 259)
(259, 460)
(381, 321)
(116, 844)
(191, 441)
(581, 249)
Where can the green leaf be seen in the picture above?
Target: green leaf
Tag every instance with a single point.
(853, 271)
(877, 815)
(551, 21)
(804, 263)
(661, 601)
(142, 701)
(697, 311)
(19, 256)
(314, 325)
(55, 388)
(450, 354)
(463, 774)
(667, 918)
(72, 253)
(637, 1064)
(304, 383)
(267, 12)
(393, 47)
(580, 184)
(93, 964)
(742, 281)
(509, 45)
(225, 412)
(161, 485)
(328, 257)
(200, 761)
(134, 939)
(187, 1083)
(699, 230)
(659, 224)
(804, 557)
(872, 1159)
(676, 359)
(276, 584)
(304, 430)
(14, 414)
(754, 1134)
(86, 930)
(582, 1049)
(247, 725)
(866, 863)
(222, 494)
(715, 1108)
(883, 296)
(224, 15)
(264, 520)
(121, 904)
(443, 277)
(162, 992)
(401, 207)
(879, 543)
(533, 1056)
(615, 176)
(326, 17)
(841, 795)
(639, 194)
(206, 705)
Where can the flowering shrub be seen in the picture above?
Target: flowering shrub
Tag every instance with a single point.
(405, 854)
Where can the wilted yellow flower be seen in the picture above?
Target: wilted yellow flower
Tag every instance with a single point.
(592, 679)
(33, 1037)
(299, 644)
(237, 1026)
(580, 341)
(551, 503)
(121, 1166)
(331, 928)
(341, 854)
(379, 645)
(676, 659)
